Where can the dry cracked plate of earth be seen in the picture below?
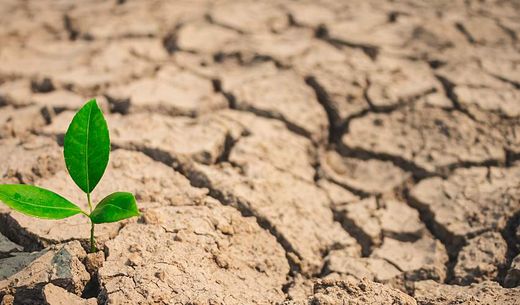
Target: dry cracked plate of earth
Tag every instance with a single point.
(282, 152)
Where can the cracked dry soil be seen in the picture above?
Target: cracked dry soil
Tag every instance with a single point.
(282, 152)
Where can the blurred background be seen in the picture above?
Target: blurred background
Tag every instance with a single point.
(368, 139)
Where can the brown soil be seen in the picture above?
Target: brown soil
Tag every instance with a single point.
(282, 152)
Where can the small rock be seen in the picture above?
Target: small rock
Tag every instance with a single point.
(222, 261)
(42, 85)
(513, 274)
(94, 261)
(7, 300)
(60, 265)
(55, 295)
(150, 217)
(484, 31)
(226, 229)
(7, 246)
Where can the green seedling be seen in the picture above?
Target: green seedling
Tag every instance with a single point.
(86, 151)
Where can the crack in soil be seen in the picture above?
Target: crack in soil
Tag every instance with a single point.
(358, 153)
(453, 244)
(449, 87)
(12, 230)
(322, 33)
(513, 246)
(462, 29)
(199, 182)
(335, 130)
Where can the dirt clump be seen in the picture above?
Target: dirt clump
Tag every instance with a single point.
(55, 295)
(469, 202)
(366, 176)
(207, 253)
(481, 259)
(422, 259)
(25, 274)
(11, 126)
(425, 140)
(357, 292)
(193, 94)
(370, 220)
(266, 140)
(256, 190)
(283, 95)
(512, 278)
(29, 159)
(374, 269)
(7, 246)
(485, 293)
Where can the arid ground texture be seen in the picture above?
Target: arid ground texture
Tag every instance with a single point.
(281, 152)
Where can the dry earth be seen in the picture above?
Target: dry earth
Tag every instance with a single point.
(282, 152)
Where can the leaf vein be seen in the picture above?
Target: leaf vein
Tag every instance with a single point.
(43, 206)
(116, 206)
(86, 149)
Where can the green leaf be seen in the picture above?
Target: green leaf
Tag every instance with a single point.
(87, 146)
(37, 202)
(115, 207)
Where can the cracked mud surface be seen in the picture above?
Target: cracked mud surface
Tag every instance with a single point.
(281, 152)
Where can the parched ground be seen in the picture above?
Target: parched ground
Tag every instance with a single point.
(282, 152)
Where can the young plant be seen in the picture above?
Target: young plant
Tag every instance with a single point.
(86, 151)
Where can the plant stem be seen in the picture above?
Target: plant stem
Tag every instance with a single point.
(89, 202)
(92, 238)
